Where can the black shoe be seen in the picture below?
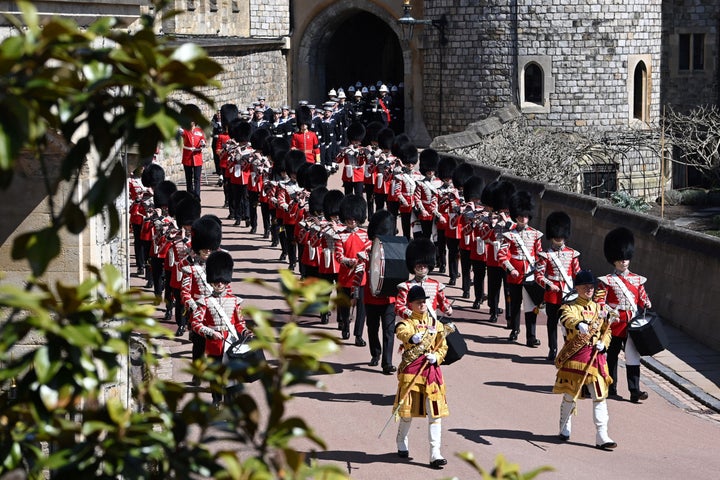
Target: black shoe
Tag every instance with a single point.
(274, 243)
(291, 267)
(168, 313)
(533, 343)
(441, 269)
(476, 305)
(551, 355)
(513, 336)
(324, 318)
(500, 311)
(389, 369)
(266, 234)
(438, 464)
(196, 381)
(451, 282)
(149, 284)
(247, 222)
(230, 216)
(563, 438)
(403, 453)
(141, 272)
(345, 335)
(606, 446)
(466, 294)
(374, 361)
(253, 230)
(237, 223)
(636, 397)
(283, 257)
(493, 318)
(359, 342)
(180, 331)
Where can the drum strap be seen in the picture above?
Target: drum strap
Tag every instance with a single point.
(626, 291)
(555, 258)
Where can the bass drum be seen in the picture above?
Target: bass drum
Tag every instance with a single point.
(387, 265)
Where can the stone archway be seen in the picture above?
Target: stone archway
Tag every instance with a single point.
(338, 28)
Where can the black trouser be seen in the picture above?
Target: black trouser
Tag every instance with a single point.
(479, 268)
(217, 396)
(169, 293)
(137, 247)
(380, 201)
(290, 245)
(381, 316)
(369, 189)
(180, 318)
(198, 344)
(157, 275)
(344, 312)
(393, 207)
(465, 268)
(216, 157)
(496, 278)
(239, 205)
(353, 188)
(453, 247)
(440, 245)
(425, 229)
(192, 179)
(535, 292)
(265, 213)
(406, 225)
(552, 310)
(253, 200)
(146, 245)
(617, 344)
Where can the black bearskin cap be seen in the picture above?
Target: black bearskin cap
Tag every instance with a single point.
(461, 174)
(371, 133)
(382, 223)
(331, 203)
(408, 154)
(228, 113)
(240, 130)
(152, 175)
(497, 195)
(187, 211)
(219, 267)
(558, 225)
(277, 148)
(162, 192)
(353, 206)
(294, 160)
(420, 251)
(400, 141)
(315, 176)
(206, 234)
(316, 200)
(619, 245)
(521, 204)
(355, 132)
(386, 139)
(429, 160)
(258, 137)
(303, 116)
(473, 188)
(446, 167)
(175, 199)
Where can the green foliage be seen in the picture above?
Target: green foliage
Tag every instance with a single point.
(99, 89)
(624, 200)
(57, 398)
(503, 469)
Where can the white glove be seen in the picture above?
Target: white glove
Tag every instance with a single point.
(600, 346)
(583, 327)
(415, 339)
(431, 358)
(431, 330)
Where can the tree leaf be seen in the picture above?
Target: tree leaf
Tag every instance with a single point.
(39, 248)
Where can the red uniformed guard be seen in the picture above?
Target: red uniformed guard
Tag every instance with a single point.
(192, 158)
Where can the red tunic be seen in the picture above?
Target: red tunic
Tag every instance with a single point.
(308, 143)
(193, 143)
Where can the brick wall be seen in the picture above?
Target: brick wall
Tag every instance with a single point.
(269, 18)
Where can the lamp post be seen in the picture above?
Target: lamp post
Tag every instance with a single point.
(407, 24)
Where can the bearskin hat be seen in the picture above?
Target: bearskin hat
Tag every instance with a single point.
(371, 133)
(397, 144)
(473, 188)
(277, 148)
(461, 174)
(331, 203)
(429, 160)
(619, 245)
(162, 192)
(219, 267)
(152, 175)
(258, 137)
(315, 176)
(353, 207)
(521, 204)
(175, 199)
(228, 113)
(382, 223)
(294, 160)
(206, 234)
(240, 130)
(446, 167)
(408, 154)
(497, 195)
(317, 197)
(187, 211)
(420, 251)
(355, 132)
(303, 116)
(386, 139)
(558, 225)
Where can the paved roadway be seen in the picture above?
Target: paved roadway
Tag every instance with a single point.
(499, 394)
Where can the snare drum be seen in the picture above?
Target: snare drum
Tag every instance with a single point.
(387, 265)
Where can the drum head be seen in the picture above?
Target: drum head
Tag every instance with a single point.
(387, 265)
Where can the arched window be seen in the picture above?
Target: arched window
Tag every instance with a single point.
(640, 93)
(533, 83)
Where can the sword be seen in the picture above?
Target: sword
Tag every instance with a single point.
(404, 395)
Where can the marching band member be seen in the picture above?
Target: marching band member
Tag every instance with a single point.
(239, 154)
(309, 233)
(354, 157)
(258, 167)
(588, 337)
(518, 257)
(463, 229)
(159, 225)
(353, 241)
(473, 216)
(426, 196)
(141, 206)
(310, 177)
(404, 185)
(448, 199)
(304, 139)
(624, 292)
(329, 235)
(555, 272)
(386, 164)
(370, 142)
(291, 199)
(187, 211)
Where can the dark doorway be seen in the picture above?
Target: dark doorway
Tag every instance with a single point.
(365, 49)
